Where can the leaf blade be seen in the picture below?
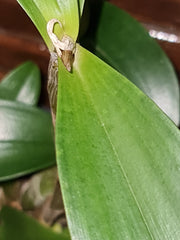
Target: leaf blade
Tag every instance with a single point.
(22, 84)
(117, 157)
(41, 11)
(123, 43)
(26, 143)
(16, 223)
(81, 6)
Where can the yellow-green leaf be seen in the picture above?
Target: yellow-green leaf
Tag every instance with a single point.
(41, 11)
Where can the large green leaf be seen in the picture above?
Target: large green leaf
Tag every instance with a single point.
(26, 140)
(124, 44)
(22, 84)
(41, 11)
(16, 225)
(118, 156)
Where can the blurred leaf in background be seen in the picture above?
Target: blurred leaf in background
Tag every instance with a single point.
(26, 133)
(39, 188)
(26, 140)
(16, 225)
(23, 84)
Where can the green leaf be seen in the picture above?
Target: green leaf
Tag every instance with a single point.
(41, 11)
(124, 44)
(22, 84)
(16, 225)
(118, 156)
(81, 6)
(1, 233)
(26, 140)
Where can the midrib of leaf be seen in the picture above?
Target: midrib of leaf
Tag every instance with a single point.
(85, 87)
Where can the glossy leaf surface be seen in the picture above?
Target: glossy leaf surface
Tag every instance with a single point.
(22, 84)
(41, 11)
(123, 43)
(16, 225)
(26, 140)
(118, 156)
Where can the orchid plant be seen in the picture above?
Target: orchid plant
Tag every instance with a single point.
(117, 152)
